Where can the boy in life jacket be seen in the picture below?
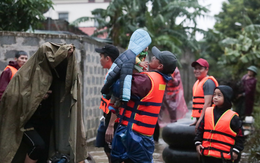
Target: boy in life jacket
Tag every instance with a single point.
(19, 60)
(220, 137)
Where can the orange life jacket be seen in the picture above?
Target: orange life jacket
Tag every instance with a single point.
(142, 114)
(198, 96)
(220, 138)
(13, 70)
(104, 103)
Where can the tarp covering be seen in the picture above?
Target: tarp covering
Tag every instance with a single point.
(27, 89)
(174, 106)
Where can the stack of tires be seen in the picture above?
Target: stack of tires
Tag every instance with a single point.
(179, 136)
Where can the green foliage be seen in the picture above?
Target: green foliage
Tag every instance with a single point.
(243, 51)
(123, 17)
(210, 50)
(237, 14)
(20, 15)
(166, 33)
(252, 145)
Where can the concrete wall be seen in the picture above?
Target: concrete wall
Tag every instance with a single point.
(92, 72)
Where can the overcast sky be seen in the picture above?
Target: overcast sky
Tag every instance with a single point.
(208, 22)
(215, 8)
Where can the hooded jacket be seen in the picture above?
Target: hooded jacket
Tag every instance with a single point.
(25, 92)
(123, 66)
(6, 76)
(235, 122)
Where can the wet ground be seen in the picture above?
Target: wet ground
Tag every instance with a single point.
(100, 157)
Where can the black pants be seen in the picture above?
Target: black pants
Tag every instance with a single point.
(35, 142)
(207, 159)
(38, 141)
(128, 161)
(156, 134)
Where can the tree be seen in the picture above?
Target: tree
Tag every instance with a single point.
(119, 20)
(235, 15)
(167, 32)
(20, 15)
(123, 17)
(232, 18)
(243, 51)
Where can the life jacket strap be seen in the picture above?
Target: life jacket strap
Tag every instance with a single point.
(216, 141)
(138, 122)
(221, 133)
(200, 109)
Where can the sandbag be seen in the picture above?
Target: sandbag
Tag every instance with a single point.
(179, 156)
(179, 135)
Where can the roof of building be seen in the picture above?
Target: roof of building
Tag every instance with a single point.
(90, 31)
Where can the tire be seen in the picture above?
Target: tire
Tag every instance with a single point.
(179, 135)
(179, 156)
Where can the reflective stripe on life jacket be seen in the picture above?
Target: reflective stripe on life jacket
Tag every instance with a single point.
(13, 70)
(198, 96)
(220, 138)
(143, 115)
(104, 105)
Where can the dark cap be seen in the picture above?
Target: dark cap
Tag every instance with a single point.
(168, 60)
(109, 50)
(201, 62)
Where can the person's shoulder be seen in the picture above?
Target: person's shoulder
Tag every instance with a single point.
(6, 70)
(140, 77)
(210, 82)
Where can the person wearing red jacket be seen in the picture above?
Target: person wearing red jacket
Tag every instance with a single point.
(10, 70)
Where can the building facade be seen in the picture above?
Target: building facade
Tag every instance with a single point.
(70, 10)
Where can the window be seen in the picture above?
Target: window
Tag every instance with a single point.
(64, 16)
(91, 0)
(107, 0)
